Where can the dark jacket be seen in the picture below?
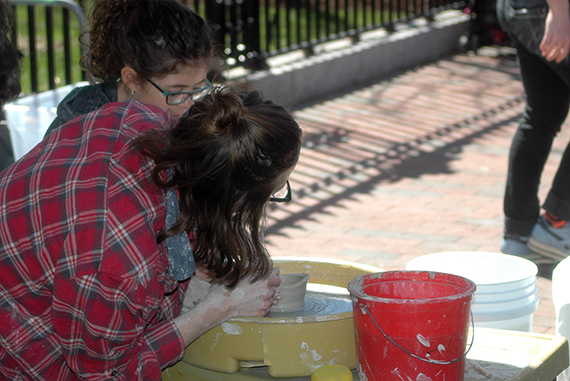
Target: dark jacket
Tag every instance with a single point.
(83, 100)
(523, 21)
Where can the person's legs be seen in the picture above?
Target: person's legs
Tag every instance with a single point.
(551, 237)
(558, 200)
(548, 100)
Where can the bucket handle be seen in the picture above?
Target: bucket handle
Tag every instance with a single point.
(421, 358)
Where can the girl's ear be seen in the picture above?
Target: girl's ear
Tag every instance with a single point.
(130, 79)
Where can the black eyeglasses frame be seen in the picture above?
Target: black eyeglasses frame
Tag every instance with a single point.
(189, 94)
(288, 196)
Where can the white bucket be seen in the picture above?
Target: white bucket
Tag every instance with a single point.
(506, 285)
(507, 295)
(501, 307)
(521, 324)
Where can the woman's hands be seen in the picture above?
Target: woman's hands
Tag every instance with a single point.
(221, 304)
(250, 299)
(555, 43)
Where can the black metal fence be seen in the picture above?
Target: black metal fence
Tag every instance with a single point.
(253, 30)
(249, 31)
(48, 33)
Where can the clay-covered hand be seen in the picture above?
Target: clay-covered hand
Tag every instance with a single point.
(249, 298)
(220, 304)
(555, 43)
(198, 289)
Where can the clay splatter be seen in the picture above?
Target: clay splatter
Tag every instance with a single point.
(425, 342)
(315, 356)
(361, 374)
(401, 375)
(312, 359)
(441, 348)
(232, 329)
(215, 341)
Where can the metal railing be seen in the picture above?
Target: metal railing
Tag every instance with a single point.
(250, 31)
(254, 30)
(51, 53)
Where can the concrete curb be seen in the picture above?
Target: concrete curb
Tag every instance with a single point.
(377, 54)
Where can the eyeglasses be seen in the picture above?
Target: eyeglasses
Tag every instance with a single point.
(283, 194)
(177, 97)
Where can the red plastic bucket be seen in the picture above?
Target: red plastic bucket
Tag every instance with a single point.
(411, 325)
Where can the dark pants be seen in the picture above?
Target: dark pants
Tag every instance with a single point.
(547, 88)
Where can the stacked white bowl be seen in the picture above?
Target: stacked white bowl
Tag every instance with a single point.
(506, 285)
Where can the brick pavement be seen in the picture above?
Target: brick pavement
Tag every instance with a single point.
(411, 165)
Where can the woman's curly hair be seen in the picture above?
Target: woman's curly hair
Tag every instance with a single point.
(151, 36)
(10, 61)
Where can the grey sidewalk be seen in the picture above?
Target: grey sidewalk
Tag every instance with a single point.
(412, 165)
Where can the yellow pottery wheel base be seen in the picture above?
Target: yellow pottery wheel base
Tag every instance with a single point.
(288, 346)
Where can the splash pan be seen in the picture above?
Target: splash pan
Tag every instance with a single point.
(290, 344)
(317, 305)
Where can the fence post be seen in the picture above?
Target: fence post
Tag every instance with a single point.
(33, 50)
(215, 15)
(252, 39)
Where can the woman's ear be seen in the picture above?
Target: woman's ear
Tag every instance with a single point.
(130, 79)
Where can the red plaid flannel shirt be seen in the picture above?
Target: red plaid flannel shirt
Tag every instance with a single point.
(85, 290)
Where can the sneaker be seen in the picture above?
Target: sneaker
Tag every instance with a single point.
(548, 241)
(517, 245)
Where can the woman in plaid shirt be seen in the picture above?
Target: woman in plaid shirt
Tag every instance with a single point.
(94, 227)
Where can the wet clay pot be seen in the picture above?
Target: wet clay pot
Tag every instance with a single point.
(292, 292)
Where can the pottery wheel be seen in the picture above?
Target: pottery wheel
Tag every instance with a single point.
(293, 343)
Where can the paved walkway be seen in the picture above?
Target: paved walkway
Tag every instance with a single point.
(413, 165)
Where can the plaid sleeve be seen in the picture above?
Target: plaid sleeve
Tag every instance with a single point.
(101, 322)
